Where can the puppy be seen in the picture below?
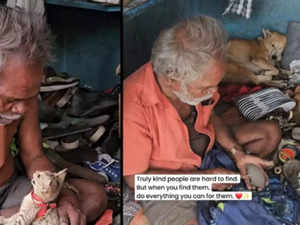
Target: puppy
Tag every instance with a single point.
(253, 61)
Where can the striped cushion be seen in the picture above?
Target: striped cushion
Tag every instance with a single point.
(258, 104)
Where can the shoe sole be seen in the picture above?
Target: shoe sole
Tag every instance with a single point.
(70, 145)
(49, 88)
(66, 98)
(107, 2)
(94, 137)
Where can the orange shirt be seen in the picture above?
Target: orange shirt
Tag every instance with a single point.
(154, 136)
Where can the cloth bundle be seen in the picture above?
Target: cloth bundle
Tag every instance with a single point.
(239, 7)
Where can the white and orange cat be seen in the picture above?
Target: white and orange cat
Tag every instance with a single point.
(39, 207)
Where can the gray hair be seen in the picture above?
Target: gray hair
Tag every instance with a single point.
(183, 51)
(24, 34)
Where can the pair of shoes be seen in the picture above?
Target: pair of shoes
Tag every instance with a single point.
(59, 98)
(111, 141)
(54, 133)
(106, 164)
(259, 104)
(78, 141)
(48, 114)
(86, 103)
(70, 126)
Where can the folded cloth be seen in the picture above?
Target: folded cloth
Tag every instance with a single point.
(239, 7)
(291, 51)
(259, 104)
(36, 6)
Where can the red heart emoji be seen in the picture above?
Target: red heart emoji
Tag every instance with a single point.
(238, 195)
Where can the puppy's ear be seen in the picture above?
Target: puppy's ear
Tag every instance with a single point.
(266, 33)
(61, 175)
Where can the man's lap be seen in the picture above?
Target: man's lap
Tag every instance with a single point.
(12, 194)
(169, 212)
(158, 212)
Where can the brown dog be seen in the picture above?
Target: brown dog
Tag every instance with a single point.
(252, 61)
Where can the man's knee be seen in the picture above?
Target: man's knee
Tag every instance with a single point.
(96, 196)
(92, 196)
(272, 135)
(97, 190)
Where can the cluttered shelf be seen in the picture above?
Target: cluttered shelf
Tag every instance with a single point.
(85, 5)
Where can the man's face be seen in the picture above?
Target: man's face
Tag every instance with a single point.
(203, 88)
(19, 84)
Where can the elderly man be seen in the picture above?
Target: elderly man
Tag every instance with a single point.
(169, 121)
(25, 44)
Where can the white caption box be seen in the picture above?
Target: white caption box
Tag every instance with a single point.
(185, 187)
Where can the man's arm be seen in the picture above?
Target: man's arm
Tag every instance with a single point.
(226, 139)
(30, 140)
(224, 136)
(137, 148)
(34, 159)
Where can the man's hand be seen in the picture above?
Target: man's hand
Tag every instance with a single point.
(221, 171)
(68, 210)
(243, 160)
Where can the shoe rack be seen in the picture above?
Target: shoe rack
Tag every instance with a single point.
(85, 5)
(87, 40)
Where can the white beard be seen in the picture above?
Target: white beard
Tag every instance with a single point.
(185, 97)
(8, 118)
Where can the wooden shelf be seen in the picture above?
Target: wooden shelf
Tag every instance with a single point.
(84, 5)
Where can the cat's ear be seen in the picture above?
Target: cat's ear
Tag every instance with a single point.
(61, 175)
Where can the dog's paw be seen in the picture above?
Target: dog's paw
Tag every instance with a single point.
(272, 72)
(263, 78)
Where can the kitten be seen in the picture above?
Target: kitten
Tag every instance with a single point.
(37, 207)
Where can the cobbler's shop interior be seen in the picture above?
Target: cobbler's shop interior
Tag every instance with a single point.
(143, 21)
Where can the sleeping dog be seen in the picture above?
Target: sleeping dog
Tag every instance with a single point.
(253, 61)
